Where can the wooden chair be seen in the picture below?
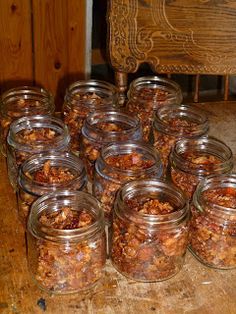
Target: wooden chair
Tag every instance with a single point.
(193, 37)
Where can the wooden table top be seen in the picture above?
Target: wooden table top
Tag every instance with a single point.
(195, 289)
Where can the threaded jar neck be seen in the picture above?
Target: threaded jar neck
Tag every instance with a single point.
(63, 160)
(92, 94)
(54, 202)
(60, 141)
(26, 100)
(124, 127)
(194, 156)
(181, 121)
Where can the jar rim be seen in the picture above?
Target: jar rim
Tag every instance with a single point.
(38, 121)
(156, 187)
(25, 92)
(128, 146)
(55, 201)
(91, 85)
(157, 81)
(204, 144)
(183, 111)
(214, 181)
(93, 133)
(36, 162)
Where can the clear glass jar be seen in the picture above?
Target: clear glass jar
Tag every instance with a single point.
(119, 163)
(22, 101)
(66, 242)
(150, 230)
(148, 93)
(34, 134)
(103, 127)
(213, 222)
(45, 173)
(194, 159)
(83, 97)
(173, 122)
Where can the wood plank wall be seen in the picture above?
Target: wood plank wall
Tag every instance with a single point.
(42, 42)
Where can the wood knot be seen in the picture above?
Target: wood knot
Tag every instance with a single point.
(57, 65)
(13, 7)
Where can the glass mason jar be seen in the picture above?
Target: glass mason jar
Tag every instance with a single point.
(83, 97)
(104, 127)
(22, 101)
(194, 159)
(173, 122)
(213, 222)
(45, 173)
(150, 230)
(34, 134)
(148, 93)
(66, 242)
(119, 163)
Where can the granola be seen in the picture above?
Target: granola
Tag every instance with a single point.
(213, 231)
(71, 266)
(188, 180)
(145, 253)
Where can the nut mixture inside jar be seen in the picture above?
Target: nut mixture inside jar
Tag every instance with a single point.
(192, 160)
(44, 173)
(103, 127)
(146, 94)
(82, 98)
(213, 222)
(30, 135)
(173, 122)
(149, 231)
(66, 248)
(120, 163)
(19, 102)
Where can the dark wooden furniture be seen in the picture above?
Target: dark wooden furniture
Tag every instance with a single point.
(173, 36)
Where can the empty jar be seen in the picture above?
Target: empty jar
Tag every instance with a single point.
(119, 163)
(194, 159)
(45, 173)
(34, 134)
(83, 97)
(150, 230)
(146, 94)
(66, 242)
(213, 222)
(173, 122)
(19, 102)
(104, 127)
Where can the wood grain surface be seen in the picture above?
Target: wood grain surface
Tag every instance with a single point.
(196, 289)
(15, 43)
(59, 44)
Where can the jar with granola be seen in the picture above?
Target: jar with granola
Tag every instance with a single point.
(22, 101)
(104, 127)
(173, 122)
(150, 229)
(119, 163)
(148, 93)
(83, 97)
(34, 134)
(213, 222)
(45, 173)
(66, 242)
(194, 159)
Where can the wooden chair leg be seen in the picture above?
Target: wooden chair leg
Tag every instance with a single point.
(121, 81)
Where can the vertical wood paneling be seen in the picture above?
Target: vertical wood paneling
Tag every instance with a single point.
(15, 43)
(76, 28)
(59, 43)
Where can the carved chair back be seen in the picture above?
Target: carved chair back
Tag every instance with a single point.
(193, 37)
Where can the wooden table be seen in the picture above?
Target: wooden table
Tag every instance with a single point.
(195, 290)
